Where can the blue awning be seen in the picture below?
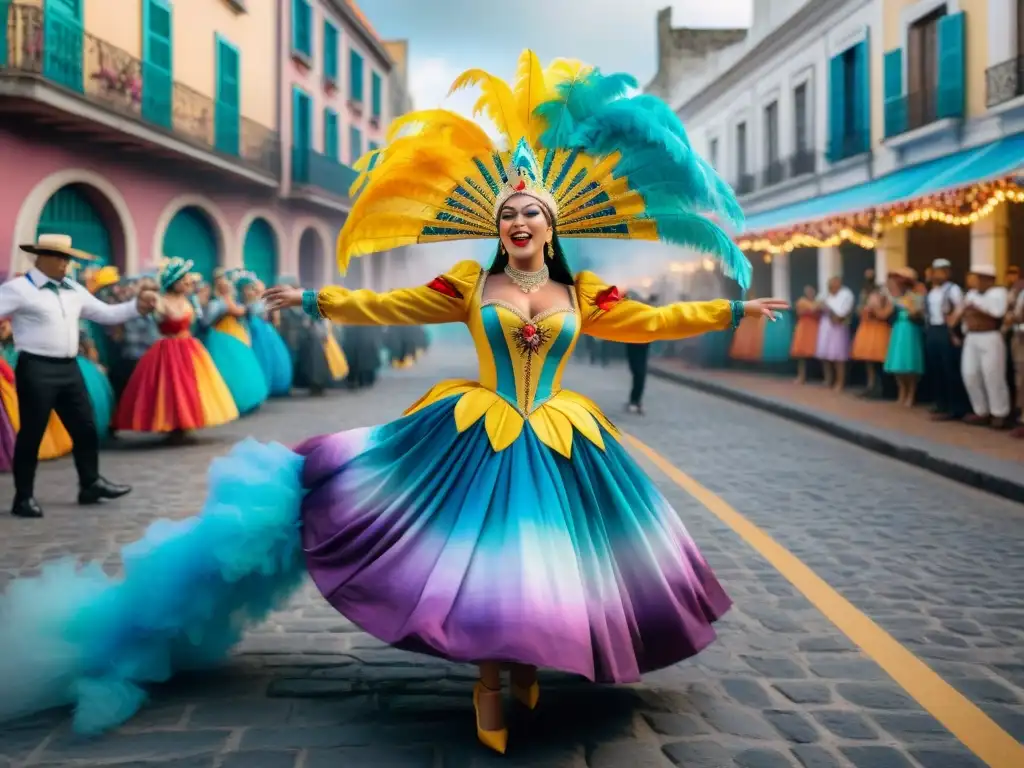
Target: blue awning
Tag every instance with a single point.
(969, 166)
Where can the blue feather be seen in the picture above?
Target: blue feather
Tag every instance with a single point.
(576, 101)
(691, 230)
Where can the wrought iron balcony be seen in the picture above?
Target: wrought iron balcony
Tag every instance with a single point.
(51, 50)
(1004, 81)
(773, 174)
(312, 169)
(848, 145)
(803, 161)
(745, 184)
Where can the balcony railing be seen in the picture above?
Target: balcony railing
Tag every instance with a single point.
(745, 184)
(316, 170)
(802, 162)
(848, 145)
(1004, 81)
(773, 174)
(58, 52)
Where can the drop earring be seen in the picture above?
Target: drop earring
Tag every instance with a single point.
(550, 249)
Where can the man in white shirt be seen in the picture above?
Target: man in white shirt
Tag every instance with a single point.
(44, 308)
(942, 355)
(984, 352)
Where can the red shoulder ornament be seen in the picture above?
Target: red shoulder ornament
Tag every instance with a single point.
(444, 286)
(608, 298)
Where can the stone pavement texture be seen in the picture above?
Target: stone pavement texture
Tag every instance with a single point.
(974, 455)
(935, 563)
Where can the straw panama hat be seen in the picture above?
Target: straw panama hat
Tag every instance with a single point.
(56, 245)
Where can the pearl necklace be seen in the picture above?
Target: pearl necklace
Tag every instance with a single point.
(528, 282)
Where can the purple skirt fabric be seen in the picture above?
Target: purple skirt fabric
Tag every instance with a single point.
(433, 542)
(833, 341)
(6, 440)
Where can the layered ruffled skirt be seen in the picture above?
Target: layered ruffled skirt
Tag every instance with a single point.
(273, 356)
(56, 440)
(175, 388)
(425, 537)
(230, 347)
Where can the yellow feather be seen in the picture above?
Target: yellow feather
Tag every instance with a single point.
(530, 91)
(497, 101)
(465, 133)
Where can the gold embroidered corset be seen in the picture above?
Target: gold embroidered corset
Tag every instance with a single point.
(522, 359)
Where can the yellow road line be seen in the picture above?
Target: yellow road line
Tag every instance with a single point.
(976, 730)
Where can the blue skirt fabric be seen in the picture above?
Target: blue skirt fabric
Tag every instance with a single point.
(424, 536)
(101, 395)
(273, 355)
(778, 337)
(905, 356)
(240, 369)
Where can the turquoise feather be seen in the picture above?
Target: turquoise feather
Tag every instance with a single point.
(594, 115)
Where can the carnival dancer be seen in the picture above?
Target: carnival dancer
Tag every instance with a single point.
(272, 353)
(176, 388)
(499, 522)
(318, 360)
(230, 345)
(45, 307)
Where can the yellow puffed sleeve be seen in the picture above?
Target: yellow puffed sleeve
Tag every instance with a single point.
(608, 315)
(444, 300)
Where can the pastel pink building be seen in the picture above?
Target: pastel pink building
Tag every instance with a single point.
(218, 131)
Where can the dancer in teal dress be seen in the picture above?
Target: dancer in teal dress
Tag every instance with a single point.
(271, 351)
(905, 357)
(230, 345)
(499, 522)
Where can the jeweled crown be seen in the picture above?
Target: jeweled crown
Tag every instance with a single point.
(524, 178)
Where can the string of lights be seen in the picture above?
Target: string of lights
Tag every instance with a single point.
(958, 208)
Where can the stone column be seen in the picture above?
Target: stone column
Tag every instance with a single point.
(990, 241)
(780, 276)
(890, 253)
(830, 264)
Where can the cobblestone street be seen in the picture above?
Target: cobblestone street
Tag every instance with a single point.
(937, 565)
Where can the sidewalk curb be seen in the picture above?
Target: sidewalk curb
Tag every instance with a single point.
(977, 478)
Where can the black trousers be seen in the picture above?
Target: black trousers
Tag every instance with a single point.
(636, 356)
(942, 366)
(46, 384)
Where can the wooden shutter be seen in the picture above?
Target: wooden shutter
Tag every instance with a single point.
(895, 102)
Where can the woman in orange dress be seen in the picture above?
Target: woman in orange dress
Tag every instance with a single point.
(175, 387)
(871, 342)
(805, 337)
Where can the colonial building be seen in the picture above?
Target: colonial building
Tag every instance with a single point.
(218, 130)
(859, 133)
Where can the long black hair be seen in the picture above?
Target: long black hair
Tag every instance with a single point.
(558, 265)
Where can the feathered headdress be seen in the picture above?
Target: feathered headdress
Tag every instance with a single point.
(605, 164)
(172, 270)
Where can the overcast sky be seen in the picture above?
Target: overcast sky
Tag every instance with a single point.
(447, 37)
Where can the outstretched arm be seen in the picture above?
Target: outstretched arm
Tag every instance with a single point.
(444, 300)
(608, 315)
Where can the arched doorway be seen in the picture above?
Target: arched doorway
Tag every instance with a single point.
(191, 235)
(259, 252)
(76, 210)
(310, 259)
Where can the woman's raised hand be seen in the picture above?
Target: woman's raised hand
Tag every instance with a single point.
(765, 307)
(282, 296)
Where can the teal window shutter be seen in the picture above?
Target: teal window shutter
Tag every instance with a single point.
(331, 134)
(862, 97)
(226, 113)
(157, 62)
(64, 36)
(836, 108)
(301, 134)
(376, 89)
(330, 52)
(952, 62)
(895, 103)
(355, 144)
(355, 73)
(302, 28)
